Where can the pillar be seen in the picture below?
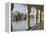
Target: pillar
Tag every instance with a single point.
(27, 18)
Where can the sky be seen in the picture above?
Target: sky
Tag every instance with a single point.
(19, 7)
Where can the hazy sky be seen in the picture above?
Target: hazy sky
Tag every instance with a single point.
(19, 7)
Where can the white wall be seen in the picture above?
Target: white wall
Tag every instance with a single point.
(41, 2)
